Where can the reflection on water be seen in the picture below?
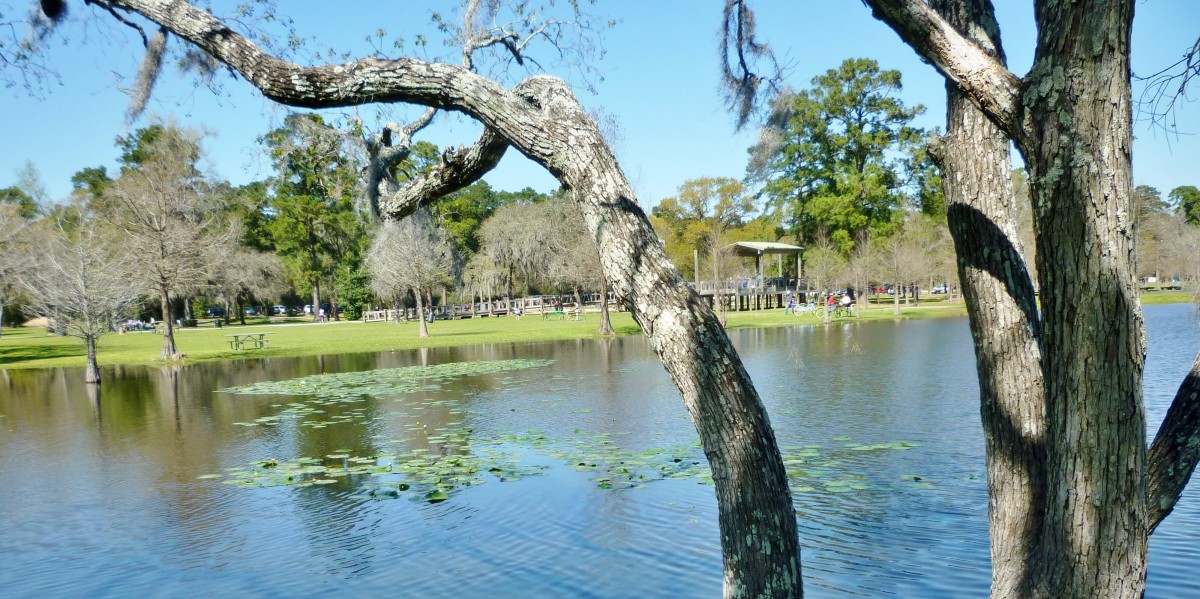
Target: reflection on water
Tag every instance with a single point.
(101, 494)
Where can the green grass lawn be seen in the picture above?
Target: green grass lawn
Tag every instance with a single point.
(33, 348)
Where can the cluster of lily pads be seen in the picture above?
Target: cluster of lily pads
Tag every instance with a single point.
(458, 457)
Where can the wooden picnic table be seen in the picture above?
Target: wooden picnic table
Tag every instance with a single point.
(243, 341)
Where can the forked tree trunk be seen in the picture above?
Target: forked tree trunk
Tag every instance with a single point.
(1070, 118)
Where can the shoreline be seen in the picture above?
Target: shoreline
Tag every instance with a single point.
(30, 348)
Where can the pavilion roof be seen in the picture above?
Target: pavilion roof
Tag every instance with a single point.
(759, 248)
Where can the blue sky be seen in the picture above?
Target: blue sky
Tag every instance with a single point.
(660, 82)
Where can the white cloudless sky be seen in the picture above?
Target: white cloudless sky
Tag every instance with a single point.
(660, 75)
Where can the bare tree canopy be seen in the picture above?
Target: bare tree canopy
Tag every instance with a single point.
(410, 256)
(80, 279)
(167, 220)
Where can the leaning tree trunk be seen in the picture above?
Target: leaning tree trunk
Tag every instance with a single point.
(543, 119)
(1002, 309)
(168, 348)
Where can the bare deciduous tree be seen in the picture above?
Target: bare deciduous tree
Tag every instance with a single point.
(823, 264)
(12, 225)
(241, 274)
(413, 255)
(81, 279)
(169, 226)
(511, 241)
(569, 262)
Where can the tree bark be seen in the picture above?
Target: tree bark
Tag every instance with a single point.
(545, 122)
(1174, 453)
(1093, 346)
(168, 349)
(316, 299)
(423, 327)
(91, 373)
(1071, 119)
(605, 321)
(1002, 309)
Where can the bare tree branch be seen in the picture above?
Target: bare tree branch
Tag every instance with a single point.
(1165, 88)
(459, 168)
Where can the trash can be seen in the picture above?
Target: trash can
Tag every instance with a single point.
(217, 323)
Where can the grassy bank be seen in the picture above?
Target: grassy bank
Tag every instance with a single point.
(32, 348)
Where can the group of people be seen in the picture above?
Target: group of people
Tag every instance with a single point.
(831, 303)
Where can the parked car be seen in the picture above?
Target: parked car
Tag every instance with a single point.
(278, 310)
(215, 312)
(253, 310)
(941, 288)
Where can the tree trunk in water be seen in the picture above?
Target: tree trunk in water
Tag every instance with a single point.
(91, 373)
(605, 321)
(168, 349)
(982, 215)
(423, 327)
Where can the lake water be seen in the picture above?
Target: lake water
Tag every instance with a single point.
(572, 478)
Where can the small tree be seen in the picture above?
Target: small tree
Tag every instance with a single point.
(170, 228)
(242, 274)
(411, 255)
(12, 224)
(509, 242)
(823, 264)
(570, 262)
(80, 278)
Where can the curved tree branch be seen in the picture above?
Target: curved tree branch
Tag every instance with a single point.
(544, 121)
(1176, 448)
(458, 169)
(987, 83)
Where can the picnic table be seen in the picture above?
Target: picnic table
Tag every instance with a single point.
(564, 314)
(243, 341)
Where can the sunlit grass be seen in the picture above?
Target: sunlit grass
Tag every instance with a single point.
(33, 348)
